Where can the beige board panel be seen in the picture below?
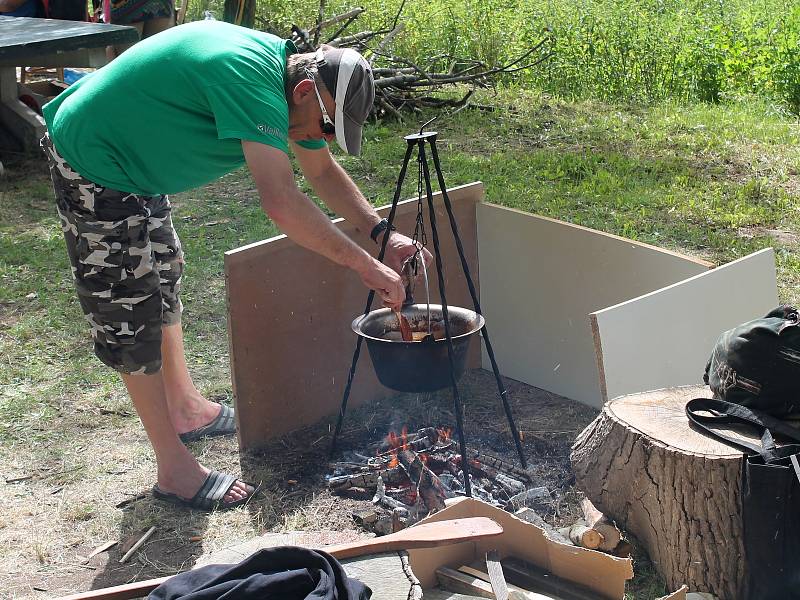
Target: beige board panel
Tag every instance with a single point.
(289, 315)
(540, 279)
(664, 338)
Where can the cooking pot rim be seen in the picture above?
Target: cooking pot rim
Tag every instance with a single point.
(356, 323)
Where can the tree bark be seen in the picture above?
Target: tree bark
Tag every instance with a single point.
(675, 489)
(240, 12)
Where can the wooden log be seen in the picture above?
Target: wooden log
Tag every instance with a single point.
(426, 481)
(597, 521)
(675, 489)
(455, 581)
(582, 535)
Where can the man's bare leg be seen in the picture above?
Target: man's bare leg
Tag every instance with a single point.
(178, 471)
(188, 409)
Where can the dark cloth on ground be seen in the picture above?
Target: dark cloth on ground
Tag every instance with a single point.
(286, 572)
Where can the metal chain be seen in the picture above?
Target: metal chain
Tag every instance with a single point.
(420, 238)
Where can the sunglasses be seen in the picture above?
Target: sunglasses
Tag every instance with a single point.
(325, 123)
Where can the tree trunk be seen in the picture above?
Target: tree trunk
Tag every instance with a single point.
(675, 489)
(240, 12)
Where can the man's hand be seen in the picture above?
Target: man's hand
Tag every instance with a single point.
(399, 248)
(386, 283)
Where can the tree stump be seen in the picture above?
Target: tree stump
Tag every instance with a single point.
(675, 489)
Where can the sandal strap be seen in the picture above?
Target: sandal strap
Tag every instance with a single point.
(213, 490)
(227, 420)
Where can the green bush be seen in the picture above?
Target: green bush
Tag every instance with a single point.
(630, 50)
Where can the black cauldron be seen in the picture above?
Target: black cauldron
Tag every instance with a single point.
(418, 366)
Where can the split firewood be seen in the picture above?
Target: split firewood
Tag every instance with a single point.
(599, 522)
(424, 439)
(382, 499)
(366, 481)
(583, 536)
(427, 483)
(500, 465)
(496, 578)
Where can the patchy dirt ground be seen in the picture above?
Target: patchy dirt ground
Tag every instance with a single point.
(54, 556)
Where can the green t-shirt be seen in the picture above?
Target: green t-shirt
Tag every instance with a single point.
(169, 114)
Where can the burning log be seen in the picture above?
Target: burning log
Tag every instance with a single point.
(367, 480)
(424, 440)
(382, 499)
(427, 483)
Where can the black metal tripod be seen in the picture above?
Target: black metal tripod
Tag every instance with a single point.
(419, 140)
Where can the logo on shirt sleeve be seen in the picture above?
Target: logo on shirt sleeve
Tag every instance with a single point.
(267, 130)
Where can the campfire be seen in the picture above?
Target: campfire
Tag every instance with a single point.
(409, 476)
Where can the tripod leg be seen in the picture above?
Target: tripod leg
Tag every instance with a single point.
(485, 332)
(459, 409)
(370, 298)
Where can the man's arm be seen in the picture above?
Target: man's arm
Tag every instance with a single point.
(335, 188)
(300, 219)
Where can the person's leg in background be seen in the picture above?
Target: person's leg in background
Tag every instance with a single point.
(145, 28)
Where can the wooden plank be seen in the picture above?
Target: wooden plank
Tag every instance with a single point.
(540, 279)
(289, 316)
(456, 581)
(664, 338)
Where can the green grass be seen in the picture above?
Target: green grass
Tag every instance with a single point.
(715, 181)
(709, 180)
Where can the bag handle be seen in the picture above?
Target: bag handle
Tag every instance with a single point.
(722, 413)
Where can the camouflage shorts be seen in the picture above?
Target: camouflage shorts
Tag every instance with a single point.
(126, 263)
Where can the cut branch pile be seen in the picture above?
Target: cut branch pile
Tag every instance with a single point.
(401, 83)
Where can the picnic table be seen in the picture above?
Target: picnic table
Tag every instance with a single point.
(27, 41)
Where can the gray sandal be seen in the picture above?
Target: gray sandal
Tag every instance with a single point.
(210, 496)
(223, 424)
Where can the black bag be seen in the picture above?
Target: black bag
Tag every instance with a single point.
(770, 497)
(286, 572)
(757, 364)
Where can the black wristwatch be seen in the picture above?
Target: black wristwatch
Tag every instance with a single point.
(382, 226)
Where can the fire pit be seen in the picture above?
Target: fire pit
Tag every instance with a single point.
(421, 365)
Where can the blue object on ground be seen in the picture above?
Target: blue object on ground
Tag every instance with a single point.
(72, 75)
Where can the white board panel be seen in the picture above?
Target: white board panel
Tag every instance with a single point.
(540, 279)
(664, 338)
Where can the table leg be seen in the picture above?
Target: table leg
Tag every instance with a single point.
(22, 122)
